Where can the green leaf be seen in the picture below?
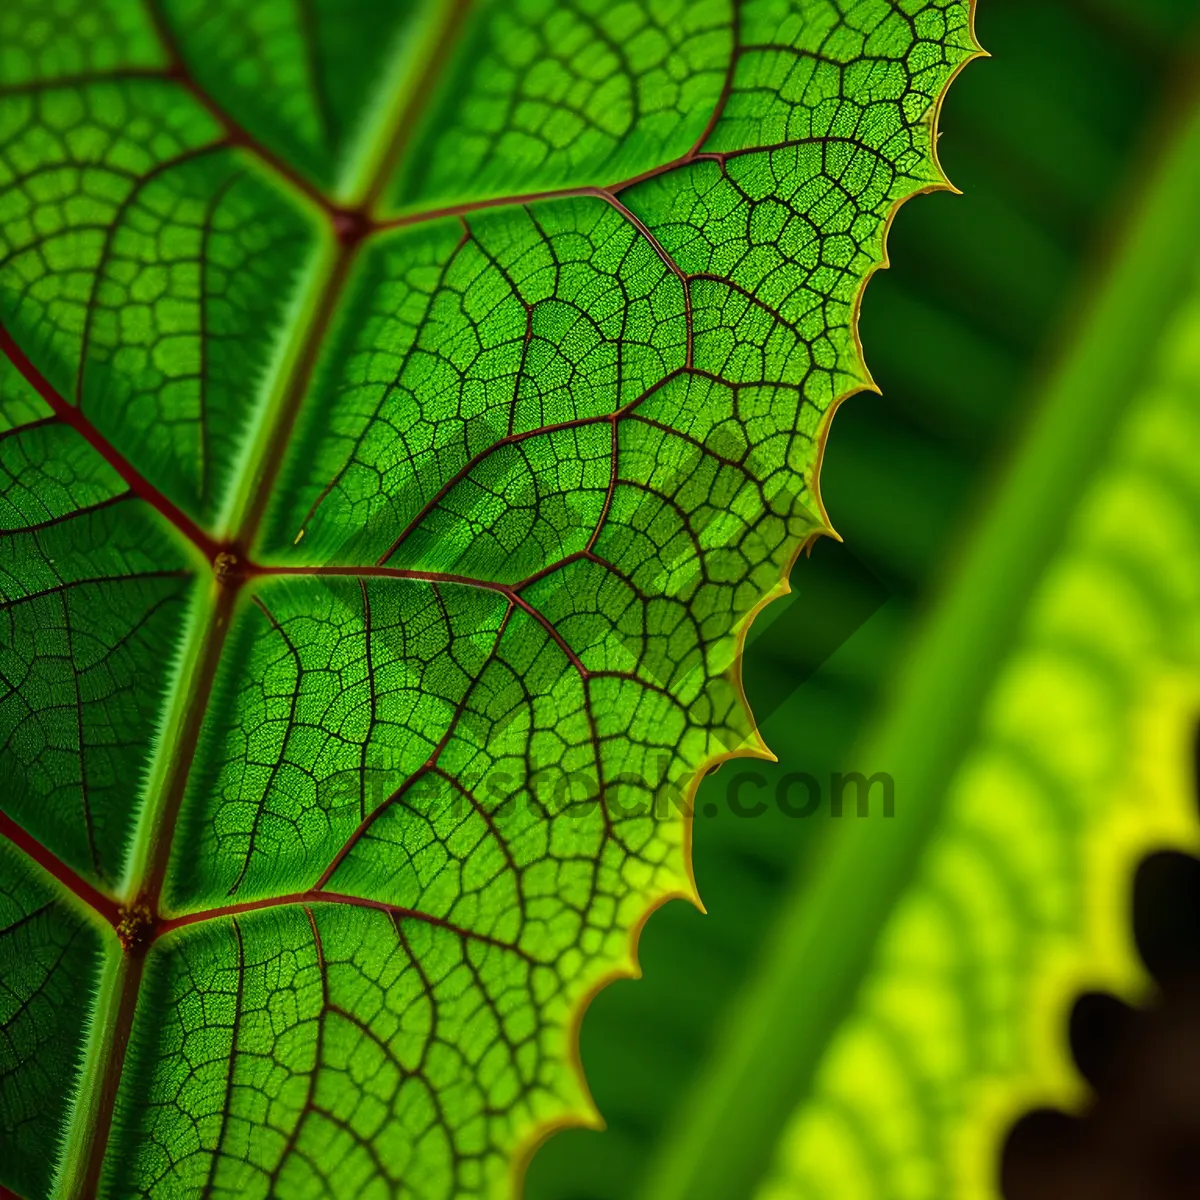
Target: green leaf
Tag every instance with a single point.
(1041, 742)
(406, 411)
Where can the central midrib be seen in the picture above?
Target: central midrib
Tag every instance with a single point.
(85, 1144)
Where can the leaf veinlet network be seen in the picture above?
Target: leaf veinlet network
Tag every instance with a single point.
(384, 500)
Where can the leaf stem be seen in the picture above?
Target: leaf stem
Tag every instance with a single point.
(351, 230)
(266, 458)
(82, 1158)
(380, 161)
(147, 865)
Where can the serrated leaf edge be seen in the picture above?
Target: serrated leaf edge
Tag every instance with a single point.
(588, 1115)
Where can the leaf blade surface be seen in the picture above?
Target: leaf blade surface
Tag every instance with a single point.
(488, 497)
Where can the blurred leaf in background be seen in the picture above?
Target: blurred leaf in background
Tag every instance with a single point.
(1052, 142)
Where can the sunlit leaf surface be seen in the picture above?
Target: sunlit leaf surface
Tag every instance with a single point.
(405, 409)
